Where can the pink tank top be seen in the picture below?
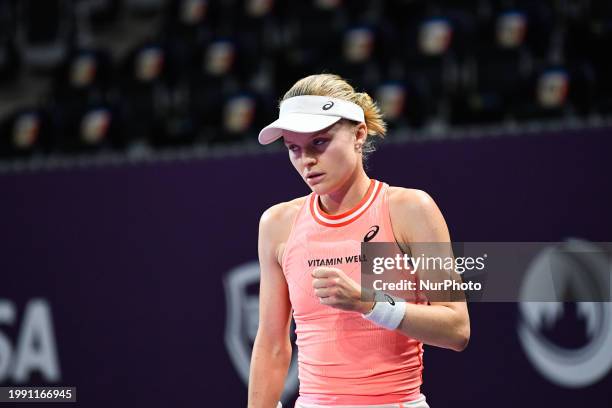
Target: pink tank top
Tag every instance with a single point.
(344, 359)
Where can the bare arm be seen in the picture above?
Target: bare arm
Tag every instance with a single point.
(438, 324)
(417, 219)
(272, 349)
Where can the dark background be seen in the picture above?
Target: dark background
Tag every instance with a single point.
(130, 258)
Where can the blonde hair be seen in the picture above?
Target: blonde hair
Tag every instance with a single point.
(335, 86)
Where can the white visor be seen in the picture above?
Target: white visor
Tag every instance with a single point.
(308, 114)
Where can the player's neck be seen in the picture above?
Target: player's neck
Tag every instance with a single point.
(347, 196)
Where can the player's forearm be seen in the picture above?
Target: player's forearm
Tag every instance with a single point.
(269, 365)
(436, 325)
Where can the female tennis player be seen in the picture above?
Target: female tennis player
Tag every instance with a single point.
(352, 351)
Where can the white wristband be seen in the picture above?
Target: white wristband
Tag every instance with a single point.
(388, 311)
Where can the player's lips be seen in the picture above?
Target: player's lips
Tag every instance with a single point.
(314, 177)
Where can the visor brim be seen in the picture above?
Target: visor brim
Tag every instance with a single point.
(295, 122)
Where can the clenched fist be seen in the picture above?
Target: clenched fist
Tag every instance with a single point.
(334, 288)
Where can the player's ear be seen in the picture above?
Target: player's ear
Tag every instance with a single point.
(361, 133)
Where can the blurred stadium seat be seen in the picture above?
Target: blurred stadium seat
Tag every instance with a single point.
(45, 32)
(26, 132)
(209, 71)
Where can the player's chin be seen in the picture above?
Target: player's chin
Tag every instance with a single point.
(317, 189)
(320, 187)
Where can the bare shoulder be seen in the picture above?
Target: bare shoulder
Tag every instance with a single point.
(281, 214)
(275, 226)
(415, 216)
(410, 198)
